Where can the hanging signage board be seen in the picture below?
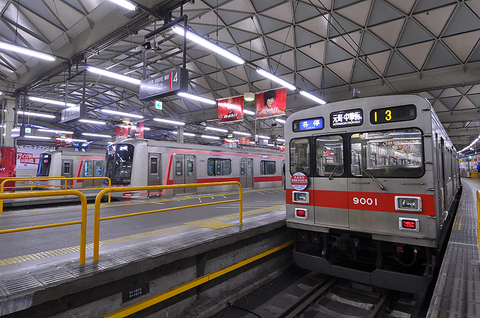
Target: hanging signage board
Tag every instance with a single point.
(72, 113)
(164, 85)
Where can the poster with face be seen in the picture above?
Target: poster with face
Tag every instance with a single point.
(230, 109)
(271, 103)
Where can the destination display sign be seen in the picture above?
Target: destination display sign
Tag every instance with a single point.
(308, 124)
(393, 114)
(346, 118)
(164, 85)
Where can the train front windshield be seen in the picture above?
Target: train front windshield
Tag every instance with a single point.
(391, 153)
(119, 163)
(44, 165)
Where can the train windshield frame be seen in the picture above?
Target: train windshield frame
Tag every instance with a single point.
(119, 159)
(395, 153)
(44, 162)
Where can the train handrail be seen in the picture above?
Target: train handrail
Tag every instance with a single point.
(478, 222)
(96, 229)
(2, 184)
(82, 222)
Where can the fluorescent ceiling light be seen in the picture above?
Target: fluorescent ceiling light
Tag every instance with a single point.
(185, 134)
(209, 45)
(97, 135)
(113, 75)
(200, 99)
(210, 137)
(127, 5)
(248, 112)
(276, 79)
(50, 101)
(281, 140)
(89, 121)
(172, 122)
(281, 121)
(217, 129)
(37, 137)
(35, 114)
(114, 112)
(71, 139)
(241, 133)
(56, 131)
(314, 98)
(24, 50)
(264, 137)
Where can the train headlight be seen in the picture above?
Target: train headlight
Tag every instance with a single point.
(301, 197)
(301, 213)
(409, 224)
(410, 204)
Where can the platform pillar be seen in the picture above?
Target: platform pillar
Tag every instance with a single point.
(8, 122)
(180, 134)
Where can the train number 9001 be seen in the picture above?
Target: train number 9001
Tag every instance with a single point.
(365, 201)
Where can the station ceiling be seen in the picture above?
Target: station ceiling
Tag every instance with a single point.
(325, 47)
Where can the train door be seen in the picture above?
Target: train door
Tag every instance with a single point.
(184, 172)
(283, 175)
(67, 171)
(246, 172)
(154, 172)
(87, 172)
(97, 172)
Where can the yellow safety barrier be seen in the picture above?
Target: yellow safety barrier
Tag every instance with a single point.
(478, 222)
(82, 222)
(96, 229)
(124, 312)
(32, 179)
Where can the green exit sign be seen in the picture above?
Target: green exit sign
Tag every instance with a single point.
(158, 104)
(28, 130)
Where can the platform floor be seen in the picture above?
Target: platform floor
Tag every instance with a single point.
(53, 273)
(457, 291)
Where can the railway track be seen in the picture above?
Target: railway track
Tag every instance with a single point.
(305, 294)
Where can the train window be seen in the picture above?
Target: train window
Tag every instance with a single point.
(66, 167)
(329, 155)
(119, 163)
(98, 168)
(391, 153)
(153, 165)
(300, 156)
(268, 167)
(190, 167)
(43, 165)
(219, 167)
(88, 168)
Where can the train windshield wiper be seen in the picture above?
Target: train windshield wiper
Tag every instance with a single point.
(330, 177)
(372, 177)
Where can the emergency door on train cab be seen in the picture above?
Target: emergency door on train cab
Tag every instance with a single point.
(184, 172)
(284, 183)
(67, 171)
(246, 172)
(154, 172)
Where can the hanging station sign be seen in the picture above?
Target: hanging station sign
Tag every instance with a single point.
(164, 85)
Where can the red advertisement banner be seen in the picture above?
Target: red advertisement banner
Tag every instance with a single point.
(271, 103)
(230, 109)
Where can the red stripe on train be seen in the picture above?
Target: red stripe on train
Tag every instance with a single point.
(366, 201)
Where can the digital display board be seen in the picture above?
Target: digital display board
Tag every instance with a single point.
(308, 124)
(393, 114)
(346, 118)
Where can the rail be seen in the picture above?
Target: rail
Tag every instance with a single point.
(82, 222)
(2, 185)
(96, 230)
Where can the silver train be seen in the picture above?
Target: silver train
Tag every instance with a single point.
(143, 162)
(71, 164)
(372, 188)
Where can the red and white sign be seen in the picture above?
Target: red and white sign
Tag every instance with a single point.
(299, 181)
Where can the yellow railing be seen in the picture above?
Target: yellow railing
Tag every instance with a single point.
(32, 179)
(96, 230)
(478, 222)
(82, 222)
